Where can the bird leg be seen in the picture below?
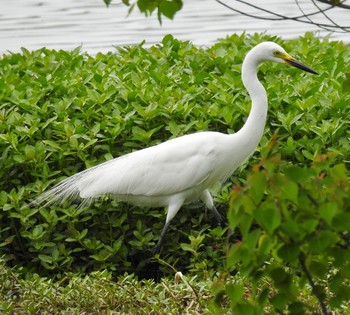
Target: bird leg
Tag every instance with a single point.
(161, 238)
(217, 216)
(173, 207)
(208, 200)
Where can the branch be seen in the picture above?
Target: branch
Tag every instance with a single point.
(336, 4)
(326, 16)
(314, 288)
(279, 17)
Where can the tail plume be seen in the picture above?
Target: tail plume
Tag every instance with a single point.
(68, 189)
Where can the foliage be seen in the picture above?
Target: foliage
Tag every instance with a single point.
(65, 111)
(293, 210)
(99, 293)
(167, 8)
(62, 111)
(294, 223)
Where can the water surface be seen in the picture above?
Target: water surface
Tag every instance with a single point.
(66, 24)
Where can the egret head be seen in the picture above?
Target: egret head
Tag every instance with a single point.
(274, 52)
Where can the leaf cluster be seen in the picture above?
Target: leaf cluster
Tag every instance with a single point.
(99, 293)
(62, 112)
(294, 225)
(167, 8)
(291, 211)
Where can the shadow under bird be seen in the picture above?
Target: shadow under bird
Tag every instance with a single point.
(181, 170)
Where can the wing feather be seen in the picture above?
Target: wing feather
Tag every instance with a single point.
(165, 169)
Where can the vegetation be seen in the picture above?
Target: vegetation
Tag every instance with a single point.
(98, 293)
(286, 249)
(167, 8)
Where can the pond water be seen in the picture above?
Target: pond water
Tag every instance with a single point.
(66, 24)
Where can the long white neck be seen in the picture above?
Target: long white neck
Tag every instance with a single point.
(253, 129)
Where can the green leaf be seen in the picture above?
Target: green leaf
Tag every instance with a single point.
(170, 8)
(45, 258)
(296, 308)
(290, 191)
(201, 77)
(281, 278)
(187, 247)
(289, 252)
(265, 245)
(252, 238)
(268, 218)
(168, 40)
(235, 292)
(309, 226)
(244, 308)
(53, 144)
(3, 197)
(263, 296)
(346, 83)
(299, 174)
(258, 183)
(328, 211)
(318, 268)
(147, 7)
(29, 152)
(108, 2)
(279, 301)
(322, 241)
(292, 229)
(340, 171)
(235, 254)
(341, 221)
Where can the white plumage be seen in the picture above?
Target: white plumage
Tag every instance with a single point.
(180, 170)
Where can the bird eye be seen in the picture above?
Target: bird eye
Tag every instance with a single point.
(276, 53)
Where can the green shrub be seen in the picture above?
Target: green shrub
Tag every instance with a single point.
(293, 212)
(100, 293)
(65, 111)
(62, 112)
(294, 223)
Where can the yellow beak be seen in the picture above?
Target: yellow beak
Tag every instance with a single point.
(295, 63)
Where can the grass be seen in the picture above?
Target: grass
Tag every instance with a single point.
(99, 293)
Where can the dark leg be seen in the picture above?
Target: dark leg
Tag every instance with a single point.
(161, 239)
(218, 216)
(208, 200)
(172, 209)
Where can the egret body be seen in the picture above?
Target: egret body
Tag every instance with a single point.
(181, 170)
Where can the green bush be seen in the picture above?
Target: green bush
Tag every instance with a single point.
(293, 210)
(100, 293)
(65, 111)
(62, 112)
(294, 222)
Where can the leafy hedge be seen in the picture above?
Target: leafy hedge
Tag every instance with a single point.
(100, 293)
(64, 111)
(295, 224)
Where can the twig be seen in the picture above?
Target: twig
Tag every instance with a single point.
(307, 17)
(304, 18)
(327, 17)
(281, 17)
(334, 3)
(314, 287)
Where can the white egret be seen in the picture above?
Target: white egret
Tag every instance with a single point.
(181, 170)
